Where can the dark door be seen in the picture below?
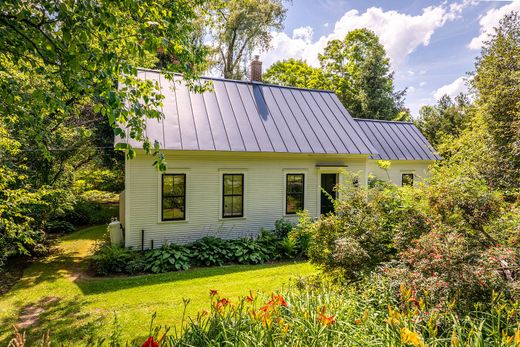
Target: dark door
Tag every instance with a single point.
(328, 182)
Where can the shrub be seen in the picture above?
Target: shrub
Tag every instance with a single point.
(249, 251)
(113, 259)
(167, 258)
(443, 267)
(288, 247)
(210, 251)
(282, 227)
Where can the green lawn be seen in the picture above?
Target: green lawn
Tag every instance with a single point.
(55, 295)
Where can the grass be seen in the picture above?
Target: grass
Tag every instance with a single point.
(55, 294)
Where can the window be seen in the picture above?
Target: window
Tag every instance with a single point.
(233, 195)
(294, 193)
(407, 179)
(173, 197)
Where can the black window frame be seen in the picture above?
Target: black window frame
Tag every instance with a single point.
(302, 194)
(173, 196)
(224, 195)
(410, 182)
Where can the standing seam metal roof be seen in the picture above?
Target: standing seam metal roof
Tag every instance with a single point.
(397, 140)
(252, 117)
(255, 117)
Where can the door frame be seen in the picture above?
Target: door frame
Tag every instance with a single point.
(339, 179)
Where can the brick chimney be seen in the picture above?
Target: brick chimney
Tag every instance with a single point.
(256, 69)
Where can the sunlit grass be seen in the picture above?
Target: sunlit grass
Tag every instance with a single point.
(75, 305)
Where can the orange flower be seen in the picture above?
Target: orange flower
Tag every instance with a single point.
(213, 292)
(150, 342)
(280, 300)
(358, 321)
(325, 320)
(221, 303)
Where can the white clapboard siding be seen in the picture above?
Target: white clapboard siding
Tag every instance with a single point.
(264, 200)
(399, 167)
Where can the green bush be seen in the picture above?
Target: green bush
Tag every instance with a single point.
(210, 251)
(249, 251)
(113, 259)
(282, 227)
(167, 258)
(288, 247)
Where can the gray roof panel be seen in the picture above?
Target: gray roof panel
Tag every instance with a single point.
(397, 140)
(255, 117)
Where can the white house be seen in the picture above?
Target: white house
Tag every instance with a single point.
(245, 154)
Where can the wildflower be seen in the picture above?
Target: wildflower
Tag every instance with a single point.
(250, 298)
(324, 319)
(150, 342)
(517, 337)
(221, 303)
(213, 292)
(358, 321)
(410, 337)
(280, 300)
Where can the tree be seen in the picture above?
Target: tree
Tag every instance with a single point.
(447, 118)
(496, 82)
(359, 71)
(240, 27)
(295, 73)
(64, 66)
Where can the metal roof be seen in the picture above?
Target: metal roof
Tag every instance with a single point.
(252, 117)
(245, 116)
(397, 140)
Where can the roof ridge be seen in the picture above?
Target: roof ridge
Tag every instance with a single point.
(381, 120)
(239, 81)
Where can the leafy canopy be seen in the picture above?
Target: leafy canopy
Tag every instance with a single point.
(239, 28)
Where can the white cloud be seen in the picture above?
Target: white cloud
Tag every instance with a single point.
(400, 33)
(453, 89)
(326, 25)
(410, 89)
(490, 20)
(422, 84)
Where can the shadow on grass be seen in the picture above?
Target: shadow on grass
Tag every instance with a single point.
(62, 319)
(103, 285)
(89, 233)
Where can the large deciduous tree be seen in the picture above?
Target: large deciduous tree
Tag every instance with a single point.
(448, 117)
(359, 71)
(239, 28)
(496, 82)
(295, 73)
(66, 65)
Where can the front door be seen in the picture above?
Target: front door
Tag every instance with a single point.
(328, 182)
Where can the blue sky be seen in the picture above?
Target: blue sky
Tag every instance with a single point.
(432, 45)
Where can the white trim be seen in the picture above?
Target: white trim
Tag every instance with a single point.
(297, 171)
(221, 173)
(171, 171)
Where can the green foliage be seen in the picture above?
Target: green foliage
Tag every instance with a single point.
(210, 251)
(447, 118)
(93, 207)
(112, 259)
(295, 73)
(359, 72)
(282, 227)
(496, 81)
(249, 251)
(167, 258)
(316, 313)
(240, 27)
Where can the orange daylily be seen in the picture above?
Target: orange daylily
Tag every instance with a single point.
(213, 292)
(325, 320)
(221, 303)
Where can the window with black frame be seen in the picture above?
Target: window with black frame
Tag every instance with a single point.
(407, 179)
(173, 197)
(233, 195)
(295, 192)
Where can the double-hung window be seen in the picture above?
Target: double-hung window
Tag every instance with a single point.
(294, 193)
(232, 195)
(173, 197)
(407, 179)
